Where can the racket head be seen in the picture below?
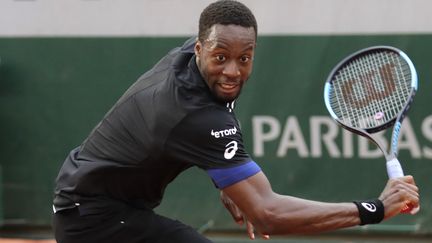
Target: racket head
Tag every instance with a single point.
(370, 89)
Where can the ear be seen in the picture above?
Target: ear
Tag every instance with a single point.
(198, 48)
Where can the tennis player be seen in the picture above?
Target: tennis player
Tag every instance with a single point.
(178, 115)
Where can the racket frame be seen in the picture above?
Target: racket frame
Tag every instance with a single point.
(395, 122)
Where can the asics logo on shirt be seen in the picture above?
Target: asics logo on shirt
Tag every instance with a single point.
(231, 149)
(369, 207)
(223, 133)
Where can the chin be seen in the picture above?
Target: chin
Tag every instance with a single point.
(226, 98)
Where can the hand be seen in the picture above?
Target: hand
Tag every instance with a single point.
(238, 216)
(397, 194)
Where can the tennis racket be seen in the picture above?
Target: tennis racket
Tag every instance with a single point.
(372, 90)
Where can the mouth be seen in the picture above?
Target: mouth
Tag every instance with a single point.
(228, 86)
(227, 90)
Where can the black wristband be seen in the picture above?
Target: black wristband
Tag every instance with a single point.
(370, 211)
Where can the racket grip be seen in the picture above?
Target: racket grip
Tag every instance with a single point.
(394, 170)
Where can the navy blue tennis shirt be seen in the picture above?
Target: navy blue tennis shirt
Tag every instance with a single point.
(166, 122)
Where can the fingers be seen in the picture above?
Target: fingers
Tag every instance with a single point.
(251, 229)
(232, 209)
(400, 195)
(238, 216)
(415, 210)
(408, 179)
(235, 213)
(403, 186)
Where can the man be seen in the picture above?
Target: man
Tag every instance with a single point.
(178, 115)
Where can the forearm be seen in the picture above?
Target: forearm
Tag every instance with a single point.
(275, 214)
(286, 215)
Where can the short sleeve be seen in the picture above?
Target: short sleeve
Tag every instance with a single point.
(209, 138)
(229, 176)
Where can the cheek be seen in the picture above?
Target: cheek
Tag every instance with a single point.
(246, 72)
(213, 70)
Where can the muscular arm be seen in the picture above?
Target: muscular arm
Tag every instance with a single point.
(272, 213)
(276, 214)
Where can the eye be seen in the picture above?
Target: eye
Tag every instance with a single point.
(220, 58)
(245, 59)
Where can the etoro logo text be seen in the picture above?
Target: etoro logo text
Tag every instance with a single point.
(223, 133)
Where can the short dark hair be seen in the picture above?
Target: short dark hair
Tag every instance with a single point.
(225, 12)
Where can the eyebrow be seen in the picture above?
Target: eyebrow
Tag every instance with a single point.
(218, 44)
(251, 47)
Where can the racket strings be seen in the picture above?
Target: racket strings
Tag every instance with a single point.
(387, 74)
(371, 90)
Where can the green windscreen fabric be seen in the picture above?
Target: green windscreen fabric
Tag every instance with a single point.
(53, 91)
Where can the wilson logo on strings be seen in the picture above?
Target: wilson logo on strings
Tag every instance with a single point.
(362, 91)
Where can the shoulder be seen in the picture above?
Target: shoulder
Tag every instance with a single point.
(208, 138)
(213, 118)
(208, 127)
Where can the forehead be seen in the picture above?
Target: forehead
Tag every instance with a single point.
(229, 35)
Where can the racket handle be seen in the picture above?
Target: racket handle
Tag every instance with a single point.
(394, 170)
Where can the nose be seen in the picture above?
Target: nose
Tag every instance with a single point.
(231, 70)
